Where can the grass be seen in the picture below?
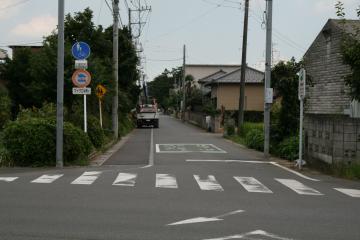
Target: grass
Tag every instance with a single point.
(237, 139)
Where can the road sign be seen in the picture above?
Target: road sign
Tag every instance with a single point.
(100, 91)
(81, 91)
(269, 93)
(302, 84)
(81, 64)
(80, 50)
(81, 78)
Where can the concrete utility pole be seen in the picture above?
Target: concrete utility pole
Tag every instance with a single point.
(184, 84)
(115, 107)
(267, 104)
(243, 68)
(60, 87)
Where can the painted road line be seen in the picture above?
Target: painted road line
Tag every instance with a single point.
(47, 178)
(209, 184)
(125, 179)
(8, 179)
(298, 187)
(166, 181)
(259, 234)
(350, 192)
(226, 161)
(294, 172)
(151, 152)
(252, 185)
(188, 148)
(87, 178)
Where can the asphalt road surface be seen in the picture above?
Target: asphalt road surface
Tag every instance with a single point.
(177, 182)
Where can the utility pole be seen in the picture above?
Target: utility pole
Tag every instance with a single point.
(267, 90)
(184, 84)
(115, 107)
(243, 68)
(60, 87)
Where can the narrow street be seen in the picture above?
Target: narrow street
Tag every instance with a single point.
(177, 182)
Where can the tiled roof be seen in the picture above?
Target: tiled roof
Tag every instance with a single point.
(212, 76)
(251, 76)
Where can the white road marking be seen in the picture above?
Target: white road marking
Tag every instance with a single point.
(252, 185)
(206, 219)
(226, 161)
(166, 181)
(298, 187)
(350, 192)
(195, 220)
(125, 179)
(87, 178)
(47, 178)
(209, 184)
(253, 233)
(294, 172)
(182, 148)
(8, 179)
(151, 154)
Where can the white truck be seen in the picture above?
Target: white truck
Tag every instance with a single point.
(147, 115)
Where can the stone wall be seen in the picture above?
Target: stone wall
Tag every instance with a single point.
(331, 138)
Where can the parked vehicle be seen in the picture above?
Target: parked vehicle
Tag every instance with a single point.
(147, 115)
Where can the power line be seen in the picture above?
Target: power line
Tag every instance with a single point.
(14, 4)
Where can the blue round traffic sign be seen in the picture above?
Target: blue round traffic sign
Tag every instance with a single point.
(80, 50)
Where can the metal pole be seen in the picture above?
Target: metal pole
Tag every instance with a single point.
(60, 87)
(301, 132)
(243, 68)
(267, 106)
(184, 84)
(100, 112)
(115, 107)
(85, 114)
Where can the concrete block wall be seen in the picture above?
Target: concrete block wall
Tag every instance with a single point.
(332, 138)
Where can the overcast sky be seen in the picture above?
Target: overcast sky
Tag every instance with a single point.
(211, 29)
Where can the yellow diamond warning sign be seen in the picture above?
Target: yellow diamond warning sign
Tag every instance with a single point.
(100, 91)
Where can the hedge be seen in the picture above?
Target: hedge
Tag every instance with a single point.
(33, 143)
(289, 148)
(95, 132)
(255, 139)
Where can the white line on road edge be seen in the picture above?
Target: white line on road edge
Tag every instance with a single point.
(294, 172)
(249, 234)
(205, 219)
(8, 179)
(225, 161)
(151, 152)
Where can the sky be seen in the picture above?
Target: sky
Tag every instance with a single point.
(210, 29)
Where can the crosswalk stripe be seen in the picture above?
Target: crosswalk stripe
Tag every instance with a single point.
(298, 187)
(209, 184)
(8, 179)
(125, 179)
(47, 178)
(87, 178)
(350, 192)
(252, 185)
(166, 181)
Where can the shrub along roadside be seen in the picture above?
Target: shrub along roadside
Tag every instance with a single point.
(32, 143)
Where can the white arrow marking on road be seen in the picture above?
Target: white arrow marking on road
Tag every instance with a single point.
(125, 179)
(246, 235)
(252, 185)
(47, 178)
(87, 178)
(166, 181)
(205, 219)
(350, 192)
(209, 184)
(298, 187)
(8, 179)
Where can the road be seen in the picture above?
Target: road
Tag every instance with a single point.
(177, 182)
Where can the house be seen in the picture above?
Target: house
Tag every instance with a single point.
(332, 132)
(225, 90)
(200, 71)
(206, 89)
(16, 48)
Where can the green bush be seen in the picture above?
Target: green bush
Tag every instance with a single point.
(32, 142)
(248, 126)
(230, 130)
(5, 106)
(125, 125)
(95, 132)
(289, 148)
(255, 139)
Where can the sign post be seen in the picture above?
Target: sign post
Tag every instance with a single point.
(301, 93)
(100, 92)
(81, 78)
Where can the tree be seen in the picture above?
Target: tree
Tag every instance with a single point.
(351, 52)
